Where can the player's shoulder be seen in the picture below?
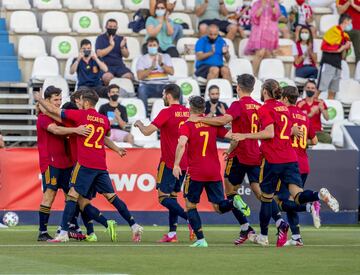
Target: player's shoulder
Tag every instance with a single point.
(301, 103)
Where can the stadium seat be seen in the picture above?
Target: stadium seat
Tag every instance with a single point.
(181, 18)
(58, 82)
(134, 48)
(67, 75)
(47, 5)
(287, 43)
(321, 6)
(337, 135)
(226, 90)
(327, 21)
(288, 4)
(92, 39)
(354, 115)
(135, 5)
(31, 46)
(16, 4)
(141, 140)
(271, 68)
(242, 46)
(189, 87)
(231, 6)
(124, 83)
(231, 48)
(135, 108)
(357, 72)
(108, 5)
(101, 102)
(229, 101)
(44, 67)
(349, 91)
(78, 4)
(122, 20)
(63, 47)
(345, 70)
(60, 25)
(240, 66)
(256, 94)
(351, 57)
(86, 22)
(317, 48)
(180, 69)
(179, 6)
(23, 22)
(324, 146)
(186, 47)
(156, 108)
(336, 112)
(133, 66)
(190, 5)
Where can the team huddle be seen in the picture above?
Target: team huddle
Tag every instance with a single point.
(72, 143)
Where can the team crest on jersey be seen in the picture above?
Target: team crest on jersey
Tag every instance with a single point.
(95, 69)
(53, 181)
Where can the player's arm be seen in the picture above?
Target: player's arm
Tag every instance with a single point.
(313, 141)
(2, 144)
(112, 146)
(65, 131)
(180, 150)
(43, 110)
(145, 130)
(214, 121)
(267, 133)
(47, 106)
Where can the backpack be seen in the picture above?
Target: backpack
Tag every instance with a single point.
(139, 20)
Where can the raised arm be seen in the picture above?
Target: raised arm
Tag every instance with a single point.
(65, 131)
(145, 130)
(51, 109)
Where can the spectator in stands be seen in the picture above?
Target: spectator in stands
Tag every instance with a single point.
(314, 108)
(161, 27)
(153, 70)
(210, 12)
(264, 36)
(2, 144)
(352, 8)
(170, 6)
(335, 46)
(304, 18)
(283, 21)
(210, 51)
(305, 57)
(242, 18)
(89, 69)
(214, 107)
(117, 116)
(112, 49)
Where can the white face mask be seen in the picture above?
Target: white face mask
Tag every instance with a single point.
(305, 36)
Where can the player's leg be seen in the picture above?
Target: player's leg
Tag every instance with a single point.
(314, 207)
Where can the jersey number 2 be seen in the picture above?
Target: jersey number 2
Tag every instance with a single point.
(93, 130)
(206, 140)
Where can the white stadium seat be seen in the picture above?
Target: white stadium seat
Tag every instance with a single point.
(31, 46)
(141, 140)
(357, 72)
(180, 69)
(189, 87)
(324, 146)
(231, 47)
(135, 108)
(351, 57)
(284, 82)
(134, 48)
(345, 70)
(133, 66)
(108, 4)
(242, 46)
(92, 39)
(136, 5)
(321, 6)
(122, 20)
(354, 115)
(16, 4)
(63, 47)
(60, 25)
(23, 22)
(58, 82)
(68, 76)
(349, 91)
(78, 4)
(101, 102)
(86, 22)
(231, 6)
(125, 84)
(180, 18)
(156, 108)
(335, 110)
(337, 135)
(47, 5)
(271, 68)
(327, 21)
(225, 87)
(240, 66)
(184, 46)
(44, 67)
(317, 48)
(288, 43)
(190, 4)
(179, 5)
(288, 4)
(256, 94)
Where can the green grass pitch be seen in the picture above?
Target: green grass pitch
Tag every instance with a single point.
(328, 250)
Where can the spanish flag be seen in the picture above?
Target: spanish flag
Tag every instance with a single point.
(333, 39)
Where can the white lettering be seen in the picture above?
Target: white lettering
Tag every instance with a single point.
(146, 178)
(244, 191)
(124, 182)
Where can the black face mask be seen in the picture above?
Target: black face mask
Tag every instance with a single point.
(87, 53)
(114, 97)
(214, 100)
(212, 41)
(309, 93)
(111, 31)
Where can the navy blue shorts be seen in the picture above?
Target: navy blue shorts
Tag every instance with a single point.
(119, 71)
(235, 172)
(222, 24)
(55, 178)
(87, 181)
(282, 190)
(166, 182)
(193, 190)
(203, 71)
(271, 173)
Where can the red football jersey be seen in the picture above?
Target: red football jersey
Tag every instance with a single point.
(91, 149)
(71, 142)
(41, 126)
(315, 121)
(168, 121)
(278, 149)
(204, 164)
(246, 120)
(58, 156)
(300, 144)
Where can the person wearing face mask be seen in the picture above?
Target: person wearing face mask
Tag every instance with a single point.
(352, 8)
(304, 18)
(214, 107)
(161, 27)
(89, 69)
(336, 45)
(153, 70)
(112, 48)
(117, 116)
(314, 108)
(305, 56)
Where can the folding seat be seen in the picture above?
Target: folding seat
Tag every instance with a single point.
(327, 21)
(271, 68)
(31, 46)
(189, 87)
(124, 83)
(240, 66)
(44, 67)
(86, 22)
(78, 4)
(186, 47)
(156, 108)
(335, 110)
(135, 108)
(16, 4)
(226, 90)
(60, 25)
(47, 5)
(108, 4)
(58, 82)
(136, 5)
(23, 22)
(64, 47)
(180, 18)
(122, 20)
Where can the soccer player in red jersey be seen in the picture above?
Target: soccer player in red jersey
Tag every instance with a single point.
(280, 161)
(168, 122)
(204, 167)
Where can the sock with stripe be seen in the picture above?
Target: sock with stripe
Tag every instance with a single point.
(122, 209)
(173, 206)
(44, 214)
(94, 214)
(288, 206)
(265, 214)
(87, 223)
(226, 206)
(195, 222)
(275, 211)
(306, 196)
(293, 219)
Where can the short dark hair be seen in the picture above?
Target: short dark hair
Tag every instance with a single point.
(273, 88)
(152, 39)
(113, 86)
(246, 82)
(70, 106)
(90, 96)
(85, 42)
(344, 17)
(76, 95)
(111, 20)
(173, 90)
(312, 81)
(212, 87)
(50, 91)
(291, 93)
(197, 104)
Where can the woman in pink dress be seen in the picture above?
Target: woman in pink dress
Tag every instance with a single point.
(264, 36)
